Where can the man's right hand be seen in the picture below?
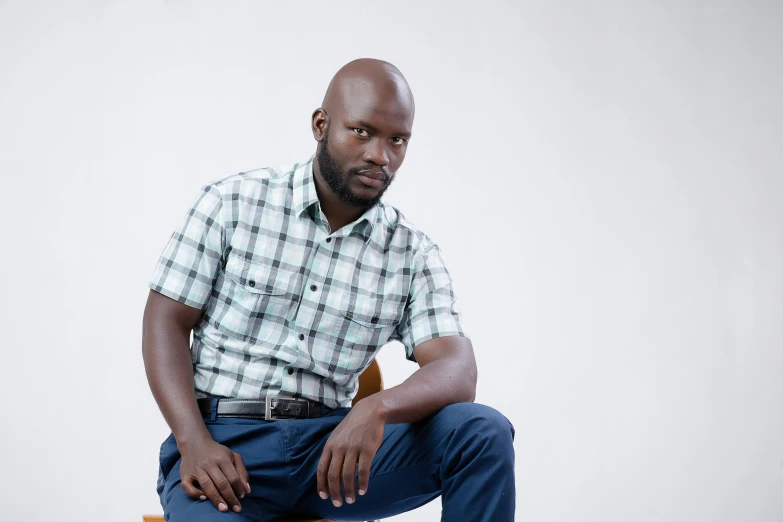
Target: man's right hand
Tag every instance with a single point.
(208, 470)
(212, 471)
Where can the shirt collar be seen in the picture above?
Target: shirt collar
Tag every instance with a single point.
(305, 197)
(304, 188)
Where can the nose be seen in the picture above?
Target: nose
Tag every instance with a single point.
(376, 153)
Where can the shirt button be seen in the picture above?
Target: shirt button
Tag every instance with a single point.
(252, 283)
(374, 320)
(328, 239)
(313, 288)
(290, 371)
(301, 337)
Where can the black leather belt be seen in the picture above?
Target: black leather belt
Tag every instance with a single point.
(274, 408)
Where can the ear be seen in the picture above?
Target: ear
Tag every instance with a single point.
(319, 124)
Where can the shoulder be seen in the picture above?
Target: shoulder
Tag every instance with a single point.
(405, 232)
(254, 184)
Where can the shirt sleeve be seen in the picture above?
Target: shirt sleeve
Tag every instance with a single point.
(190, 263)
(431, 310)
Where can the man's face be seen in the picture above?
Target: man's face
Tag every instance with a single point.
(362, 148)
(350, 184)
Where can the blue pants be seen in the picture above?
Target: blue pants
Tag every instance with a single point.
(463, 452)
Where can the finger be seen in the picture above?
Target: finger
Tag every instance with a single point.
(236, 483)
(212, 493)
(333, 477)
(349, 476)
(365, 459)
(239, 464)
(188, 485)
(321, 471)
(223, 486)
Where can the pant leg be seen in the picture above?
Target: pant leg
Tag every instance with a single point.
(260, 445)
(464, 453)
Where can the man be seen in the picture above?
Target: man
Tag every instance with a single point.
(291, 279)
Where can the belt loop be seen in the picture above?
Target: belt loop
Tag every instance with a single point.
(213, 410)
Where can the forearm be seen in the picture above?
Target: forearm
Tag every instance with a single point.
(437, 384)
(170, 374)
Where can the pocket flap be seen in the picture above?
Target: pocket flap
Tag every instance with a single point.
(255, 278)
(373, 312)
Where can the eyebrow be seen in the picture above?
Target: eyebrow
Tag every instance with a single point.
(362, 123)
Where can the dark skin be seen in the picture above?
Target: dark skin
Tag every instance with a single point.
(368, 114)
(208, 469)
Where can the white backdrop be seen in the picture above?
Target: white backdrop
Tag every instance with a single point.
(605, 181)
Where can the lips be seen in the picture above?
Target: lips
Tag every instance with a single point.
(372, 179)
(372, 174)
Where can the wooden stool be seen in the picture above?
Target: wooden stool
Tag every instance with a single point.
(370, 381)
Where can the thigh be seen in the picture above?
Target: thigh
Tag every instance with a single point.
(407, 470)
(260, 445)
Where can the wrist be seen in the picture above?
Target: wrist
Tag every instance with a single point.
(378, 407)
(191, 438)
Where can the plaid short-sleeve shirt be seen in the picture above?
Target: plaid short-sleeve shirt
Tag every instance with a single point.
(291, 307)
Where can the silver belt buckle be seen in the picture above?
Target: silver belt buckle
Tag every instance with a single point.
(270, 403)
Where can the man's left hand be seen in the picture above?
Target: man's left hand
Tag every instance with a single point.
(354, 441)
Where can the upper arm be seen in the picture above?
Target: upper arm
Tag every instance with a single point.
(194, 255)
(164, 312)
(457, 364)
(189, 265)
(453, 347)
(430, 313)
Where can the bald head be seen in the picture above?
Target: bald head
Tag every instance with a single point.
(370, 81)
(362, 129)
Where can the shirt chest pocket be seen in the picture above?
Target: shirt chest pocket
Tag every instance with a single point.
(365, 324)
(256, 301)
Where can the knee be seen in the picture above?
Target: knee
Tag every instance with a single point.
(480, 421)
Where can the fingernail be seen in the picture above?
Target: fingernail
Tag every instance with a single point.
(322, 494)
(222, 507)
(202, 497)
(362, 492)
(337, 503)
(248, 487)
(237, 509)
(349, 500)
(241, 496)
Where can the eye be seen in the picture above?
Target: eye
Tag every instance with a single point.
(399, 141)
(361, 132)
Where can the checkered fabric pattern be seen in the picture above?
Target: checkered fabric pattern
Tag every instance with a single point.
(290, 307)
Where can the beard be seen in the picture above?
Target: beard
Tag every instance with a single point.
(333, 174)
